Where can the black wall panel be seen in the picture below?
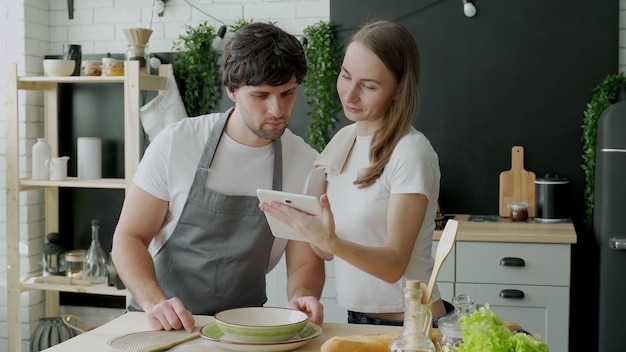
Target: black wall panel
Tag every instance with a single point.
(518, 73)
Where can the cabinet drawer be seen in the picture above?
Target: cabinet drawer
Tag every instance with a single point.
(544, 310)
(494, 263)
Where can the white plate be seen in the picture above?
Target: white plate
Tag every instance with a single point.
(213, 333)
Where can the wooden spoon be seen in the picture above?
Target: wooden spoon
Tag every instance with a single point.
(167, 345)
(446, 242)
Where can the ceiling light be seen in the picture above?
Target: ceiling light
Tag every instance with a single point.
(469, 9)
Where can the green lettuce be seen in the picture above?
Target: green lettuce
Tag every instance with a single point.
(485, 331)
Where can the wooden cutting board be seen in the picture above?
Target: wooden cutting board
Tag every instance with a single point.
(517, 184)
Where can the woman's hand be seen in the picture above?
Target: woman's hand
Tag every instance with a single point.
(319, 230)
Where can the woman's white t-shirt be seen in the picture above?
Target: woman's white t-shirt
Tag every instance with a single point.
(361, 216)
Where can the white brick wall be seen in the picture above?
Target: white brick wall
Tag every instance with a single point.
(30, 29)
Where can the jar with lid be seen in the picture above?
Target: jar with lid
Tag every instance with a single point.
(137, 52)
(519, 211)
(450, 334)
(52, 251)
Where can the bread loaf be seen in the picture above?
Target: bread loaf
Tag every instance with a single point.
(365, 342)
(359, 343)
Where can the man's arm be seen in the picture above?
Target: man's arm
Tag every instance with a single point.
(305, 279)
(140, 220)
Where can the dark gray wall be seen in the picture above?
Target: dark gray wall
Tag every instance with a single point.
(519, 73)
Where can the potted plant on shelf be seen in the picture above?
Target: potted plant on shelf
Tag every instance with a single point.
(197, 69)
(323, 54)
(605, 94)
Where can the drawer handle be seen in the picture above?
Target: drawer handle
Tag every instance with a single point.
(516, 294)
(510, 261)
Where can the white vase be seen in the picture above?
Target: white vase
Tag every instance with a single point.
(41, 153)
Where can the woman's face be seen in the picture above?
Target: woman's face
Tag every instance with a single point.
(366, 87)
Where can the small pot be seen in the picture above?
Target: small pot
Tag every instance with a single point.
(552, 198)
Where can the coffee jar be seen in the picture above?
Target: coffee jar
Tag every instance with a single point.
(552, 198)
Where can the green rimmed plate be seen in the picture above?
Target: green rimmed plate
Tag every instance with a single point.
(213, 333)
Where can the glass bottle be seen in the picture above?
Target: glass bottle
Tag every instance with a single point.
(417, 322)
(95, 269)
(41, 153)
(450, 331)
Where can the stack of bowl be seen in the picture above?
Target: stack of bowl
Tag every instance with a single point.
(261, 324)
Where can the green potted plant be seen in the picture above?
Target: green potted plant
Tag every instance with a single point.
(323, 54)
(197, 69)
(605, 94)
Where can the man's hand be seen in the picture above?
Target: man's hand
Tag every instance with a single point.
(309, 305)
(170, 315)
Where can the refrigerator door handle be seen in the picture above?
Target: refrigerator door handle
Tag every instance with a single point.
(617, 243)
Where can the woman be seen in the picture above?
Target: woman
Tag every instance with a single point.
(383, 181)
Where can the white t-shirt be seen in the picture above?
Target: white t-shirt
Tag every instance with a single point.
(361, 216)
(168, 166)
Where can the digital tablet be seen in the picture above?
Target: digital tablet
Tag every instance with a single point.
(305, 203)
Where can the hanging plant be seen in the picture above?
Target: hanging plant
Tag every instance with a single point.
(239, 24)
(605, 94)
(323, 55)
(197, 69)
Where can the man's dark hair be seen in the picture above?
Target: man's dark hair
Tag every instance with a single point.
(261, 53)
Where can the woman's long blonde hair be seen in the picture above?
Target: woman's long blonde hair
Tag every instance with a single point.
(396, 48)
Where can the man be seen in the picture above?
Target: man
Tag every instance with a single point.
(191, 238)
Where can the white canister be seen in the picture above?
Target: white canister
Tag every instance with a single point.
(89, 158)
(41, 153)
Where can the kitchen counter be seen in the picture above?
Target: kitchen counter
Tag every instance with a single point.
(508, 231)
(96, 339)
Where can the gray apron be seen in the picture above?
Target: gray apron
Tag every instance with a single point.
(218, 254)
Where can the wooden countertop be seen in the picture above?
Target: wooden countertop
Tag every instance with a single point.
(508, 231)
(96, 339)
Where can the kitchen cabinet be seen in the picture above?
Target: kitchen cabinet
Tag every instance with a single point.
(522, 270)
(133, 83)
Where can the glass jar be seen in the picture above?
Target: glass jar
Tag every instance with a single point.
(74, 263)
(450, 332)
(519, 211)
(137, 52)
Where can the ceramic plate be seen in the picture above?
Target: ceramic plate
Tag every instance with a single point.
(213, 333)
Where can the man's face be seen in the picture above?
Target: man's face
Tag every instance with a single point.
(265, 110)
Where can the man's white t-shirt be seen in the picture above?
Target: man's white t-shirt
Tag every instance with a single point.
(168, 166)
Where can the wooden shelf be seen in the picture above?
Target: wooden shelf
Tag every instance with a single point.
(97, 289)
(73, 182)
(134, 82)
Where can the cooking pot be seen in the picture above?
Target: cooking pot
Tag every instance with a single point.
(552, 198)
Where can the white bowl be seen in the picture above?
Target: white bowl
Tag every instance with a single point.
(58, 67)
(261, 324)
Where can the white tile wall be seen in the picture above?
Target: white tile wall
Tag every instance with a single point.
(30, 29)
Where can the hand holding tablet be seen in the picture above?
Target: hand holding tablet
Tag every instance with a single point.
(305, 203)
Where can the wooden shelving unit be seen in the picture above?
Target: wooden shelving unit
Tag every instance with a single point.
(134, 83)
